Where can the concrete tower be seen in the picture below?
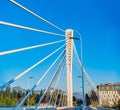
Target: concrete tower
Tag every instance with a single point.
(69, 53)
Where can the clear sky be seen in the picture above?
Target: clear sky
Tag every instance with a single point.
(98, 21)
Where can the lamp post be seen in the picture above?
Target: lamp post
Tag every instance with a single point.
(83, 91)
(30, 77)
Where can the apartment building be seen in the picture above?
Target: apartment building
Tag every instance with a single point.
(109, 94)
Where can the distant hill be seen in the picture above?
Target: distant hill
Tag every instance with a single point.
(77, 94)
(37, 91)
(18, 88)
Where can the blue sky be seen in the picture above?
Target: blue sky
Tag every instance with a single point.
(98, 21)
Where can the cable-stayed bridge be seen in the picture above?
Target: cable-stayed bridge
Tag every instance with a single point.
(65, 64)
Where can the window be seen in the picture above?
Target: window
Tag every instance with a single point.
(110, 100)
(117, 87)
(103, 88)
(113, 88)
(114, 95)
(118, 92)
(107, 87)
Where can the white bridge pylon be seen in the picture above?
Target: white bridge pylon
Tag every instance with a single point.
(69, 54)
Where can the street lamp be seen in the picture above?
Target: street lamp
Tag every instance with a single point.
(80, 38)
(83, 91)
(30, 77)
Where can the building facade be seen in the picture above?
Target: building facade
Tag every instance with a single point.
(109, 94)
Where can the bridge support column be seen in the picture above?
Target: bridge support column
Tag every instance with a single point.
(69, 53)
